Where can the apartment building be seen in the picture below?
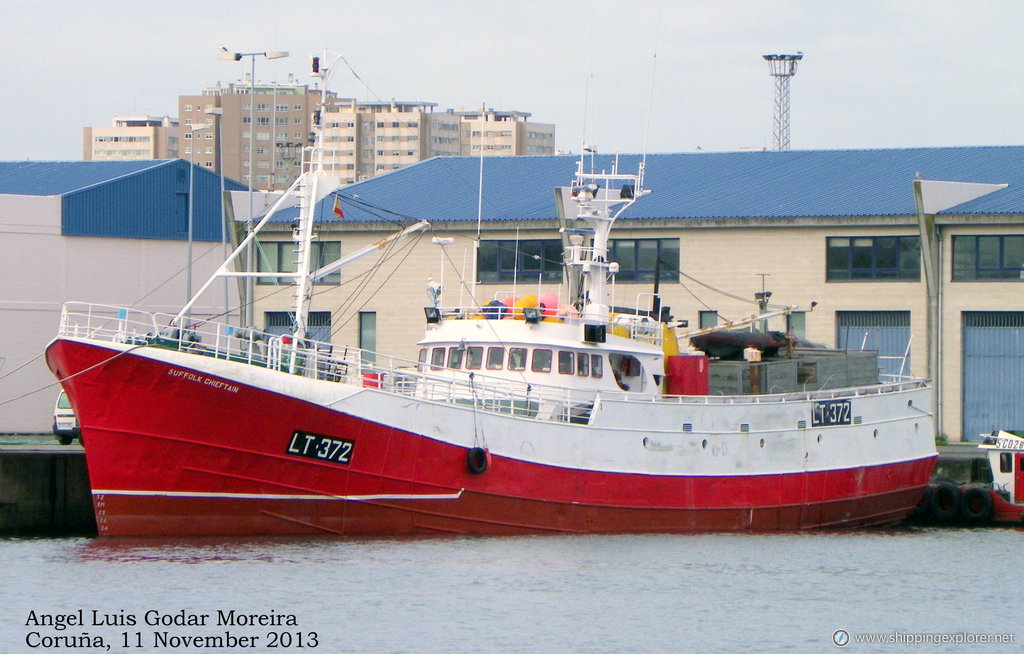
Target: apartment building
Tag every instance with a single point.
(256, 133)
(132, 138)
(262, 130)
(504, 133)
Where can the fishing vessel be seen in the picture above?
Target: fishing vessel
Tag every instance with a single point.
(546, 414)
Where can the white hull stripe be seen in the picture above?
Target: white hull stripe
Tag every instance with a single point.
(273, 496)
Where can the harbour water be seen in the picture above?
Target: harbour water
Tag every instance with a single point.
(911, 589)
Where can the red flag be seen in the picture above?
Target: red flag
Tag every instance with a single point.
(337, 208)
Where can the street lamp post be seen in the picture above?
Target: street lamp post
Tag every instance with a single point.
(218, 114)
(247, 308)
(191, 205)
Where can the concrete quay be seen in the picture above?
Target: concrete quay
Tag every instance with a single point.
(44, 488)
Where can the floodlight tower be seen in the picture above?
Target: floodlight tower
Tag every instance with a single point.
(782, 67)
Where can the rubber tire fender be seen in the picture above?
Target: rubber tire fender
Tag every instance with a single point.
(478, 460)
(945, 502)
(976, 505)
(922, 507)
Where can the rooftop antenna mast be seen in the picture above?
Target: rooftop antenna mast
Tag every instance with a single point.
(782, 67)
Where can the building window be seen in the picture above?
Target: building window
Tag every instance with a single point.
(988, 258)
(283, 322)
(368, 336)
(526, 261)
(638, 258)
(878, 258)
(279, 256)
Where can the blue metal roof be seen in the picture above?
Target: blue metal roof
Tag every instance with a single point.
(760, 184)
(130, 199)
(62, 177)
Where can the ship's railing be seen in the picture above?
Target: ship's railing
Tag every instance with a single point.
(634, 326)
(323, 361)
(135, 327)
(356, 367)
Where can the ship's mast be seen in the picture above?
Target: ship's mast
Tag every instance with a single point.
(312, 186)
(600, 198)
(316, 185)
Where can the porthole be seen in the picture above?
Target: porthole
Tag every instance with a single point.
(762, 443)
(704, 443)
(819, 438)
(876, 434)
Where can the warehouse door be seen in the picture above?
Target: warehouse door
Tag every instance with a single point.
(993, 372)
(886, 332)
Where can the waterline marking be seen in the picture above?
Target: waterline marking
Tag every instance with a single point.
(842, 638)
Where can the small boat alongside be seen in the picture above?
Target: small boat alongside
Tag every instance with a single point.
(551, 413)
(997, 497)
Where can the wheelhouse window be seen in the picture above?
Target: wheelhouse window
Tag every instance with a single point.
(279, 256)
(524, 260)
(640, 259)
(988, 258)
(873, 258)
(455, 357)
(565, 362)
(495, 358)
(517, 358)
(583, 364)
(474, 357)
(541, 361)
(596, 365)
(437, 358)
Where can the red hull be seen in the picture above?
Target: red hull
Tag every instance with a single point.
(211, 457)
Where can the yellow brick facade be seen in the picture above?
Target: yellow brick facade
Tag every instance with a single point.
(727, 255)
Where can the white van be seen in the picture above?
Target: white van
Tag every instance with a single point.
(65, 422)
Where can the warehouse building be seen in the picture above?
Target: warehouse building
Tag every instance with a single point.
(102, 232)
(834, 234)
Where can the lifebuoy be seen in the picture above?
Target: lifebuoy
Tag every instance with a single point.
(945, 502)
(976, 505)
(478, 460)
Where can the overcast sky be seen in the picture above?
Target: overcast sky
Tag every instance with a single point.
(875, 73)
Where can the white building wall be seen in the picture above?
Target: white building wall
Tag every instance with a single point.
(43, 270)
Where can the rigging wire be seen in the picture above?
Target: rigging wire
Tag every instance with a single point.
(64, 379)
(488, 323)
(363, 280)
